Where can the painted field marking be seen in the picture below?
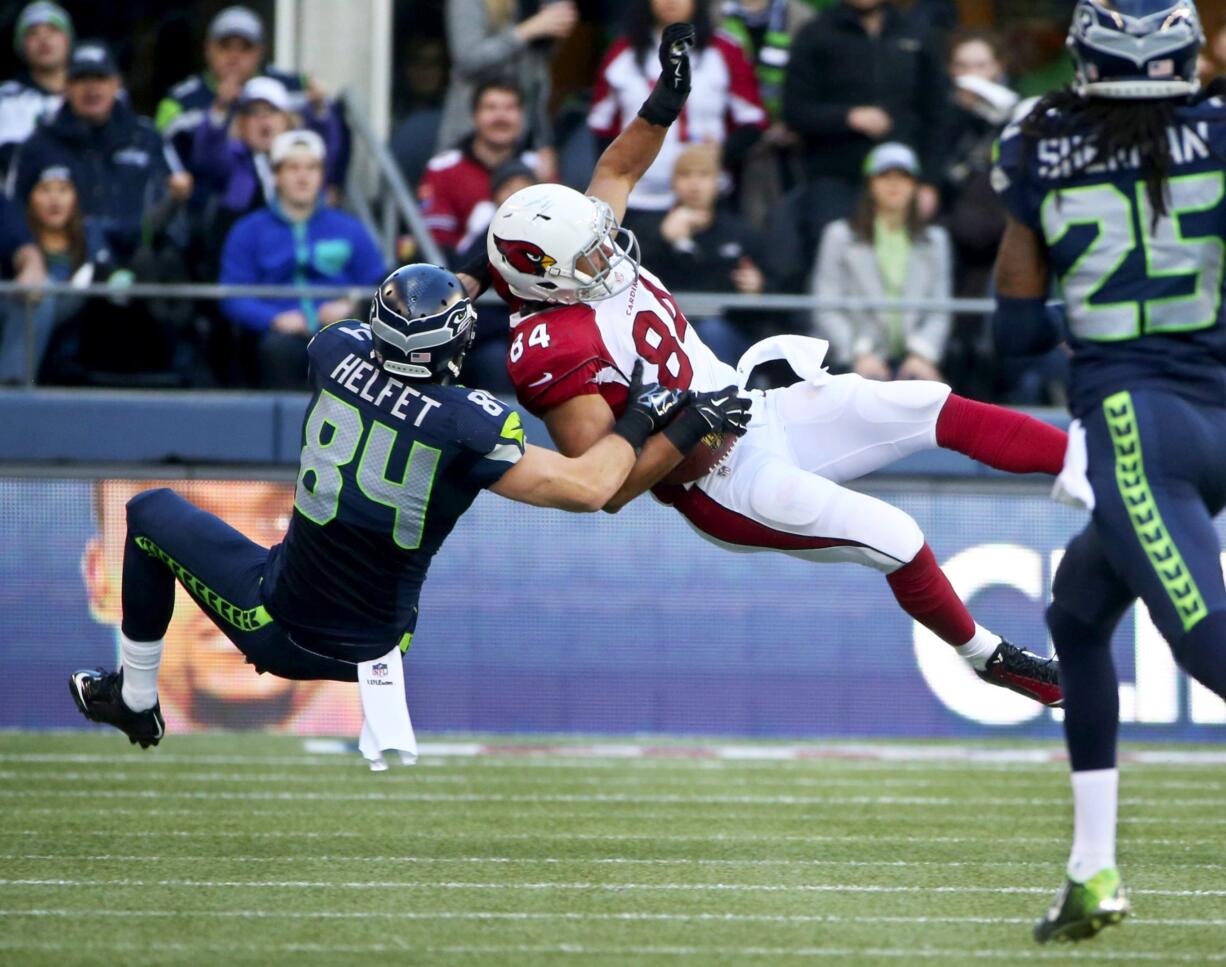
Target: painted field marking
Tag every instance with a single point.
(550, 860)
(564, 885)
(426, 778)
(513, 916)
(581, 950)
(613, 798)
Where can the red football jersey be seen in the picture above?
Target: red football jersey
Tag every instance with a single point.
(559, 352)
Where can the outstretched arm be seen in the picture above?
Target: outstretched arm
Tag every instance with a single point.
(585, 480)
(583, 485)
(632, 152)
(581, 423)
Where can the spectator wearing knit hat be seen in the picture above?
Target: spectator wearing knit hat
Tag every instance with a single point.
(296, 240)
(42, 39)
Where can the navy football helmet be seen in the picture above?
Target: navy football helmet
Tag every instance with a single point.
(1136, 49)
(422, 322)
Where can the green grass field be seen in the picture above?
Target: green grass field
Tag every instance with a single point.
(237, 849)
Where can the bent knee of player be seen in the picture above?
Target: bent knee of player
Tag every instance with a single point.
(905, 538)
(784, 495)
(144, 508)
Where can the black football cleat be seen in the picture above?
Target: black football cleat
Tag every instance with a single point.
(1027, 674)
(99, 696)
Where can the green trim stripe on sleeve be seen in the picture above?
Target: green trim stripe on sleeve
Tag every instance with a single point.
(249, 619)
(1142, 509)
(513, 429)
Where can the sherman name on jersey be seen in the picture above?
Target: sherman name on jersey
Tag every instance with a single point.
(387, 468)
(1143, 294)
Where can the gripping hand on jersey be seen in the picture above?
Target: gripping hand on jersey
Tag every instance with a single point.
(723, 411)
(649, 407)
(667, 98)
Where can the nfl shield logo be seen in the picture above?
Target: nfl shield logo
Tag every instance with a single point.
(379, 670)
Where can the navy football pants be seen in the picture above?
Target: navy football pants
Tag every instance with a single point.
(1157, 464)
(170, 538)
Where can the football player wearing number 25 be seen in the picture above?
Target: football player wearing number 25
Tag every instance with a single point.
(1116, 187)
(585, 310)
(392, 455)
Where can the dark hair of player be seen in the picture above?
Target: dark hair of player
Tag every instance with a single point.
(641, 28)
(1113, 128)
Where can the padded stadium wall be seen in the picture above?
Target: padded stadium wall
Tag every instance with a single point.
(538, 621)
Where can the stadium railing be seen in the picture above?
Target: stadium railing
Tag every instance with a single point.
(693, 303)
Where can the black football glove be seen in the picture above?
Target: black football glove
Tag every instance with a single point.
(648, 408)
(667, 98)
(724, 411)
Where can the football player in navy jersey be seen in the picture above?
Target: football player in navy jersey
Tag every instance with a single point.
(393, 455)
(1117, 190)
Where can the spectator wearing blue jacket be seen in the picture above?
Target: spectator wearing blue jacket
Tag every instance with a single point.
(296, 240)
(115, 157)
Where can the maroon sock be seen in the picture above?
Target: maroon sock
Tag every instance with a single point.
(925, 593)
(1001, 438)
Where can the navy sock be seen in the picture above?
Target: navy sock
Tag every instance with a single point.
(1202, 652)
(1091, 690)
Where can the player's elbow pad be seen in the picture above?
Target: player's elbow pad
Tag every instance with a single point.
(1027, 327)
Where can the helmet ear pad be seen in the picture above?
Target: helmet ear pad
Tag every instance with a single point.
(422, 324)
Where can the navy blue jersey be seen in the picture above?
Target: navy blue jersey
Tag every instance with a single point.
(1144, 300)
(387, 468)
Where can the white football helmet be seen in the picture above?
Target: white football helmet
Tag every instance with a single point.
(552, 244)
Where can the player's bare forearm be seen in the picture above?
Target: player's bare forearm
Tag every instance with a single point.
(1021, 264)
(657, 458)
(624, 162)
(581, 484)
(580, 423)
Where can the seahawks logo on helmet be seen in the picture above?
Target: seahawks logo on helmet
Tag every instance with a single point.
(526, 257)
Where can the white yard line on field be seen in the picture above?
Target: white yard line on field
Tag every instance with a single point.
(512, 916)
(564, 885)
(584, 950)
(547, 860)
(614, 798)
(427, 778)
(535, 837)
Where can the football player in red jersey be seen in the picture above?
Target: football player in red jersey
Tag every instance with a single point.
(585, 310)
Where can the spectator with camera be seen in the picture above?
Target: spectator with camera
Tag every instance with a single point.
(296, 240)
(887, 250)
(43, 39)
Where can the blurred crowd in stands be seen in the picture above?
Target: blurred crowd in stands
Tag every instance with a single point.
(836, 147)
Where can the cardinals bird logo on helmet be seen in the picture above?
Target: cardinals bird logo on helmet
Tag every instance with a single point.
(527, 257)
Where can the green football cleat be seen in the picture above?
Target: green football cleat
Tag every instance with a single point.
(1081, 910)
